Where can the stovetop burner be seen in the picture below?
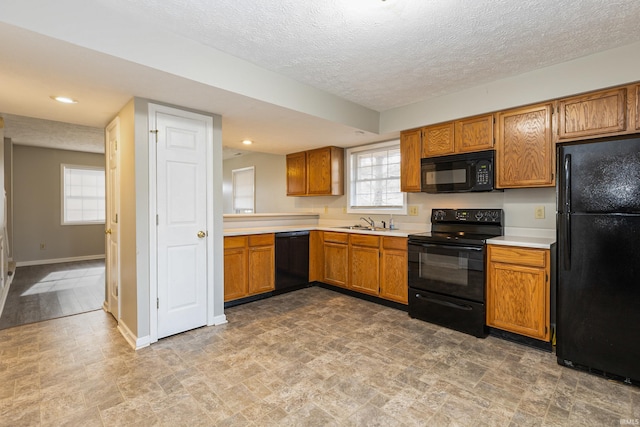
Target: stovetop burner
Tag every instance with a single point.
(462, 226)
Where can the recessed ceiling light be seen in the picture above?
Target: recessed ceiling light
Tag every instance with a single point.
(247, 142)
(64, 99)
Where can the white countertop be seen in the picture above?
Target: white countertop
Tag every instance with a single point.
(524, 241)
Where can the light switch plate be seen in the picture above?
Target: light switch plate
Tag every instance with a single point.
(413, 210)
(539, 212)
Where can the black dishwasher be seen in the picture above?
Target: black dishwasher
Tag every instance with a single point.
(292, 261)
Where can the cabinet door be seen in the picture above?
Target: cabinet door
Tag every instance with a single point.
(518, 291)
(525, 152)
(474, 134)
(516, 300)
(364, 273)
(594, 114)
(235, 273)
(410, 153)
(336, 256)
(297, 174)
(261, 269)
(394, 269)
(438, 140)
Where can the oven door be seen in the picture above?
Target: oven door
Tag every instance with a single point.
(447, 269)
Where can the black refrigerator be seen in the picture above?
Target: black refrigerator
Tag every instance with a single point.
(598, 227)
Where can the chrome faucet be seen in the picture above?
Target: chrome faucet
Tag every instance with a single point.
(369, 221)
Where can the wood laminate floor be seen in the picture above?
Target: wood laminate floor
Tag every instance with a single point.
(312, 357)
(43, 292)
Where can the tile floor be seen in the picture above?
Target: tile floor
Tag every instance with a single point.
(312, 357)
(43, 292)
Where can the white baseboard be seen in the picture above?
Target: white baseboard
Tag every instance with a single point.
(135, 342)
(58, 260)
(219, 320)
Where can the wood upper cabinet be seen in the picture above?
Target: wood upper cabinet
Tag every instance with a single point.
(262, 263)
(336, 258)
(410, 154)
(316, 172)
(525, 153)
(297, 174)
(438, 140)
(393, 269)
(474, 134)
(594, 114)
(518, 290)
(364, 255)
(249, 265)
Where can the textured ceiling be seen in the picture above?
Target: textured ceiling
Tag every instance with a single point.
(376, 54)
(384, 54)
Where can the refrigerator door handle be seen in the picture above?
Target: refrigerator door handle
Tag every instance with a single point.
(566, 234)
(567, 184)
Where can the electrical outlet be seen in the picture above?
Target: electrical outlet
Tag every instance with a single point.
(344, 209)
(326, 209)
(539, 212)
(413, 210)
(42, 246)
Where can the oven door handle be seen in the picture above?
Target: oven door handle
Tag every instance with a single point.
(446, 303)
(435, 245)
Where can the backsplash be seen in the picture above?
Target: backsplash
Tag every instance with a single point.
(519, 205)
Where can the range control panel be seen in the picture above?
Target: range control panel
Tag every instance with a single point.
(491, 216)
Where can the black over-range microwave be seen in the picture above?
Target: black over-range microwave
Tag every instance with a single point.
(458, 173)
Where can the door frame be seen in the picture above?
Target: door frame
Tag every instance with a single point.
(114, 124)
(153, 207)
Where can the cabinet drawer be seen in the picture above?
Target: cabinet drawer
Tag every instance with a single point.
(235, 242)
(331, 236)
(261, 239)
(398, 243)
(518, 255)
(364, 240)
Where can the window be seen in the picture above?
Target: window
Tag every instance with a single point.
(83, 199)
(374, 179)
(243, 190)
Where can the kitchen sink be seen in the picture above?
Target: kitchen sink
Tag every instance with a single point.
(363, 227)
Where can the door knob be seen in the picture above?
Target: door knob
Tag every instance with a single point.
(201, 234)
(107, 231)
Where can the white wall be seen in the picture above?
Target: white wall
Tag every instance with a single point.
(518, 204)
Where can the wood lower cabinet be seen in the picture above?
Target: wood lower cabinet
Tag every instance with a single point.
(336, 258)
(594, 114)
(410, 154)
(525, 153)
(235, 268)
(249, 265)
(518, 290)
(370, 264)
(262, 263)
(364, 255)
(394, 270)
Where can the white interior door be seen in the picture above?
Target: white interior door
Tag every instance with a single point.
(112, 264)
(181, 188)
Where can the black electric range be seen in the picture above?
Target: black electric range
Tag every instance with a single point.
(447, 268)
